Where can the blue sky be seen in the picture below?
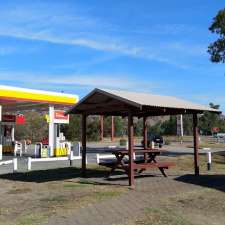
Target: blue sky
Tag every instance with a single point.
(75, 46)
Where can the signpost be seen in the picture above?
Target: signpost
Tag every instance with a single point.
(180, 129)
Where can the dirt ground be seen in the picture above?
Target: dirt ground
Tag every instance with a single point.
(32, 198)
(205, 207)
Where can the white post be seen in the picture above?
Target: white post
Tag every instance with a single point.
(29, 163)
(152, 145)
(13, 133)
(209, 156)
(181, 128)
(51, 141)
(15, 164)
(0, 133)
(71, 158)
(97, 158)
(15, 148)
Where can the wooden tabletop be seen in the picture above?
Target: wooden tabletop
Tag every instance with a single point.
(139, 151)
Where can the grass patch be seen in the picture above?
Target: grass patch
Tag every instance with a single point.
(75, 185)
(158, 216)
(100, 195)
(202, 207)
(206, 200)
(29, 219)
(186, 163)
(19, 191)
(32, 219)
(58, 199)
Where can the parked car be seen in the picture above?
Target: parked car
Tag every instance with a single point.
(156, 138)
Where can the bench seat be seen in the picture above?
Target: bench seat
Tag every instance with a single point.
(165, 165)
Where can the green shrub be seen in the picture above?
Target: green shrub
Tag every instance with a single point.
(167, 142)
(123, 142)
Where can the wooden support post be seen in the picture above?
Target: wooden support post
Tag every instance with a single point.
(101, 128)
(84, 137)
(131, 149)
(112, 129)
(145, 133)
(196, 140)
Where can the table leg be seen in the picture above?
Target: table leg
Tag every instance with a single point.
(162, 171)
(152, 157)
(119, 158)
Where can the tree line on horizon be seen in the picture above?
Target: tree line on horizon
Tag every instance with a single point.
(36, 127)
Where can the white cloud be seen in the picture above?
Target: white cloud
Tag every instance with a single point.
(113, 81)
(61, 25)
(187, 48)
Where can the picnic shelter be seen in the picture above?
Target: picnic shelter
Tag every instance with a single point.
(141, 105)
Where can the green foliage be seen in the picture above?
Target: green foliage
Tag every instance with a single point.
(120, 126)
(138, 128)
(155, 129)
(169, 127)
(188, 124)
(209, 120)
(93, 129)
(72, 131)
(35, 127)
(217, 48)
(167, 142)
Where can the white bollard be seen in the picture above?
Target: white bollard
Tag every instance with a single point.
(97, 158)
(15, 149)
(0, 152)
(152, 144)
(15, 167)
(71, 158)
(29, 163)
(209, 157)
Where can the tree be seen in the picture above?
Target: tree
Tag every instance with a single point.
(35, 127)
(209, 120)
(188, 124)
(169, 127)
(217, 48)
(72, 131)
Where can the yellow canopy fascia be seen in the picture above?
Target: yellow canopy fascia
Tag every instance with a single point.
(30, 95)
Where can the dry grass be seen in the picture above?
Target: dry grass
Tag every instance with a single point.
(26, 203)
(185, 163)
(202, 207)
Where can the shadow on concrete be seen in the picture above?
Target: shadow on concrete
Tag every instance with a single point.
(93, 176)
(40, 176)
(210, 181)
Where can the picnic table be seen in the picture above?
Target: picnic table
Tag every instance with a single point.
(149, 161)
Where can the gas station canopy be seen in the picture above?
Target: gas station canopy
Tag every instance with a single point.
(14, 99)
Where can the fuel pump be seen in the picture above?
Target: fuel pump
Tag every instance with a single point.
(7, 129)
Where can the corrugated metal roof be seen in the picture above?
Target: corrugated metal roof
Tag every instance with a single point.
(147, 99)
(115, 102)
